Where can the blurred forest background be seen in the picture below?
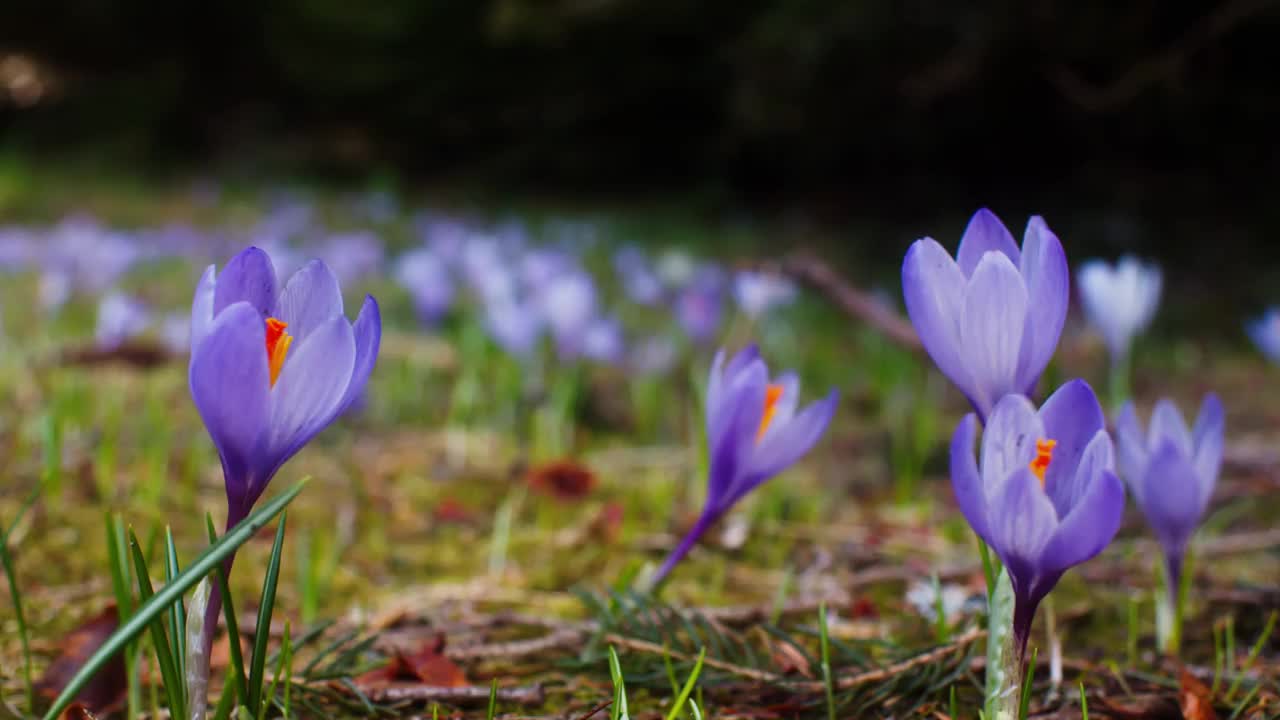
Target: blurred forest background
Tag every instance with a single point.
(1143, 126)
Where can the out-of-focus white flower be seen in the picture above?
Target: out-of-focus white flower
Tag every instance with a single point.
(758, 292)
(1119, 300)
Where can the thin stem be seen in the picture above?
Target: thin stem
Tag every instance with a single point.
(705, 521)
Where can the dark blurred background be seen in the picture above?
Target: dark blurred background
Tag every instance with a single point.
(1153, 125)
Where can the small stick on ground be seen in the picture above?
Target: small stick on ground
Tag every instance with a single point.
(814, 272)
(527, 695)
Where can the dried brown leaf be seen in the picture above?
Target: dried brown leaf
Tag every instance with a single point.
(105, 692)
(1195, 698)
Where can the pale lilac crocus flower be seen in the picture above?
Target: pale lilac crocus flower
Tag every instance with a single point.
(1171, 472)
(991, 316)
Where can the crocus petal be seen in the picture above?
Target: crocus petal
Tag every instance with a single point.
(1021, 521)
(1072, 417)
(310, 388)
(733, 437)
(1207, 437)
(1090, 525)
(971, 492)
(778, 450)
(202, 306)
(248, 277)
(1171, 497)
(788, 402)
(367, 330)
(995, 313)
(1131, 449)
(933, 290)
(1009, 440)
(229, 383)
(1167, 424)
(1044, 271)
(310, 298)
(985, 233)
(1067, 488)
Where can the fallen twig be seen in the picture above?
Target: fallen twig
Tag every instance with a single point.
(524, 695)
(813, 271)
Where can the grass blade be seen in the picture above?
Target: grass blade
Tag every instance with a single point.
(825, 646)
(178, 611)
(130, 629)
(236, 687)
(262, 632)
(164, 656)
(687, 690)
(16, 596)
(285, 659)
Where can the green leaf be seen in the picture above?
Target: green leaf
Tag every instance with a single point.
(262, 633)
(177, 612)
(825, 646)
(1024, 701)
(687, 690)
(16, 596)
(159, 603)
(236, 687)
(164, 656)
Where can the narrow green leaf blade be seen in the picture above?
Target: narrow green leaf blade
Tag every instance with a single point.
(160, 602)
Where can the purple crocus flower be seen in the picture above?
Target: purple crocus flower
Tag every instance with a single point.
(515, 326)
(1265, 333)
(603, 341)
(426, 278)
(1046, 497)
(271, 367)
(758, 292)
(990, 318)
(754, 431)
(1171, 472)
(568, 303)
(120, 318)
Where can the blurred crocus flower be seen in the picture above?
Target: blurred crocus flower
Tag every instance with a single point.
(568, 302)
(698, 313)
(93, 256)
(270, 367)
(427, 280)
(175, 333)
(639, 282)
(653, 355)
(120, 318)
(990, 317)
(540, 266)
(603, 342)
(758, 292)
(1046, 497)
(1171, 472)
(1265, 333)
(442, 234)
(1119, 300)
(53, 290)
(515, 326)
(353, 256)
(676, 268)
(755, 430)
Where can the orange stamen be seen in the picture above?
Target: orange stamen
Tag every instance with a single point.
(772, 394)
(278, 342)
(1044, 453)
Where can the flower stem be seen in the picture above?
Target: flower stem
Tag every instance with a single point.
(705, 521)
(1004, 658)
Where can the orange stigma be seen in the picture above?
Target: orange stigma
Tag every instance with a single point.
(278, 342)
(772, 394)
(1044, 453)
